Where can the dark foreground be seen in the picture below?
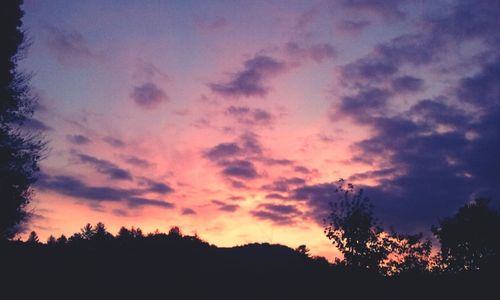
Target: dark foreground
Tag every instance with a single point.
(184, 267)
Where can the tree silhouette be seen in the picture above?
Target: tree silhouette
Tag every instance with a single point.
(410, 254)
(33, 238)
(20, 151)
(470, 240)
(354, 230)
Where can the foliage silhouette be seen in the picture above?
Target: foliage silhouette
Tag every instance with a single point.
(470, 240)
(20, 151)
(353, 229)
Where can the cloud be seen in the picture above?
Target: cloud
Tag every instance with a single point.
(207, 25)
(222, 206)
(407, 84)
(302, 169)
(136, 161)
(135, 202)
(115, 142)
(78, 139)
(94, 195)
(155, 186)
(352, 26)
(70, 47)
(148, 95)
(242, 169)
(105, 167)
(283, 184)
(376, 174)
(482, 89)
(35, 125)
(317, 197)
(364, 105)
(250, 82)
(317, 52)
(390, 9)
(223, 151)
(248, 116)
(70, 186)
(280, 214)
(276, 196)
(368, 70)
(188, 211)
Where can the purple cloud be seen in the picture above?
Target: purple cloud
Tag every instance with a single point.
(241, 169)
(277, 213)
(222, 206)
(70, 47)
(78, 139)
(250, 81)
(407, 84)
(148, 95)
(105, 167)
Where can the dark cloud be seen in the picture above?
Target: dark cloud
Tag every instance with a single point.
(188, 211)
(135, 202)
(362, 106)
(317, 197)
(248, 116)
(284, 184)
(136, 161)
(482, 89)
(94, 195)
(242, 169)
(302, 169)
(466, 19)
(431, 158)
(407, 84)
(35, 125)
(70, 186)
(207, 25)
(222, 206)
(377, 174)
(105, 167)
(115, 142)
(352, 26)
(274, 162)
(250, 81)
(391, 9)
(368, 70)
(223, 151)
(275, 196)
(431, 113)
(70, 47)
(78, 139)
(155, 186)
(280, 214)
(148, 95)
(235, 184)
(318, 52)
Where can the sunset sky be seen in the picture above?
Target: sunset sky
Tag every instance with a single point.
(234, 119)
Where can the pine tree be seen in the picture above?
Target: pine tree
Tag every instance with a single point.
(20, 151)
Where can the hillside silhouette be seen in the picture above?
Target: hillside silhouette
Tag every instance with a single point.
(95, 264)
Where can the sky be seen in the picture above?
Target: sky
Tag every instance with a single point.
(234, 119)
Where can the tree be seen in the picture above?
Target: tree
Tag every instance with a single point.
(20, 151)
(353, 229)
(410, 254)
(51, 241)
(87, 232)
(303, 250)
(470, 240)
(33, 238)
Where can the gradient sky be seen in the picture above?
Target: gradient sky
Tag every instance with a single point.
(233, 119)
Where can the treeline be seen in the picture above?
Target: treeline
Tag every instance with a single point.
(469, 240)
